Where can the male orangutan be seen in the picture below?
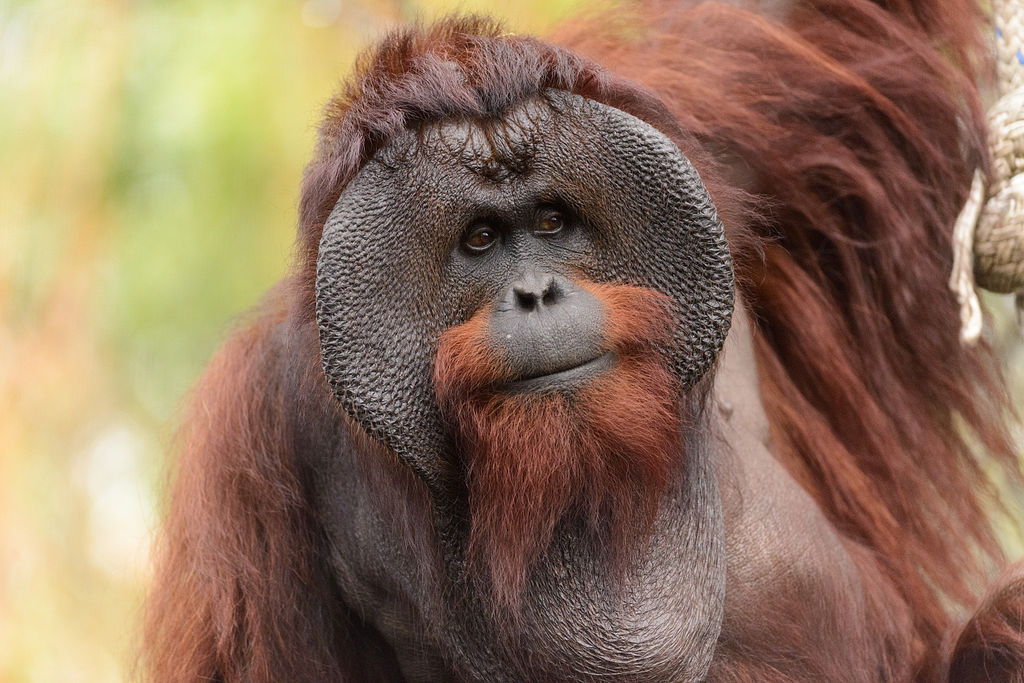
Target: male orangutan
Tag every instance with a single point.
(636, 372)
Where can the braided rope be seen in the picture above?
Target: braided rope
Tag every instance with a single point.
(988, 238)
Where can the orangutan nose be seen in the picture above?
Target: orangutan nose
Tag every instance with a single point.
(535, 291)
(545, 324)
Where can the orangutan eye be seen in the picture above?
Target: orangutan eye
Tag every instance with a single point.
(551, 224)
(479, 240)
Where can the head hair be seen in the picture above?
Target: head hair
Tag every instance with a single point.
(461, 67)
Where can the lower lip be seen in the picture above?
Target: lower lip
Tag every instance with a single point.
(564, 379)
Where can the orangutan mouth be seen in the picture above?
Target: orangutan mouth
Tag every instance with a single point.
(566, 378)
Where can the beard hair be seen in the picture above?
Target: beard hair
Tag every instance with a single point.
(602, 455)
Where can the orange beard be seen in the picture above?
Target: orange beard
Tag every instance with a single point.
(603, 455)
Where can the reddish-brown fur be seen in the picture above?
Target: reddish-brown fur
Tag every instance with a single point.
(242, 593)
(606, 454)
(990, 646)
(850, 132)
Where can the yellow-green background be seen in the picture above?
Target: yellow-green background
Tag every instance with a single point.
(150, 156)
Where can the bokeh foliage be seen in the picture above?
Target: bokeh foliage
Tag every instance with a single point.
(150, 157)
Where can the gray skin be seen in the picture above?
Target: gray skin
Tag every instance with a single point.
(549, 331)
(394, 273)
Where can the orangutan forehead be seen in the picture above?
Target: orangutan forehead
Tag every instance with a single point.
(495, 148)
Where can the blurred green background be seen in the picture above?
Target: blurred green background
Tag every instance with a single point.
(150, 157)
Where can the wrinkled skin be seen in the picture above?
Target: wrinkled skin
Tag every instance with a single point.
(730, 514)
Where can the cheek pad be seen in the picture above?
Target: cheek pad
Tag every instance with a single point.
(384, 246)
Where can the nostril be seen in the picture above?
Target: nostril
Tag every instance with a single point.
(552, 293)
(525, 299)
